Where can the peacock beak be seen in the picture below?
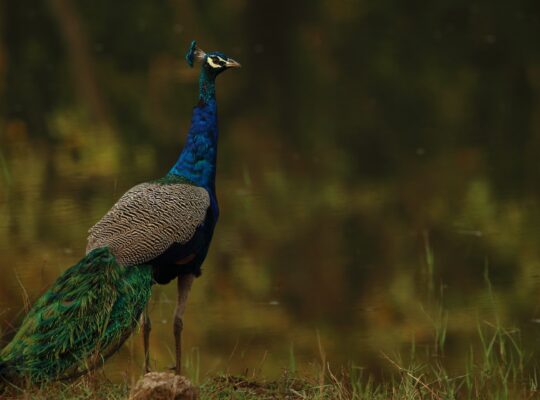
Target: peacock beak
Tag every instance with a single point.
(230, 63)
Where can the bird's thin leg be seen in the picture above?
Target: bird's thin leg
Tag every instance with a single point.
(184, 285)
(146, 328)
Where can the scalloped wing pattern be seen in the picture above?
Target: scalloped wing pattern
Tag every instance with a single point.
(148, 219)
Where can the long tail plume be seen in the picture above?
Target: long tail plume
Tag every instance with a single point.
(81, 320)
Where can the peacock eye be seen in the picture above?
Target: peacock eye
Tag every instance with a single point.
(214, 62)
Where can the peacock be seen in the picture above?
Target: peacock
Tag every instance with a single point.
(156, 232)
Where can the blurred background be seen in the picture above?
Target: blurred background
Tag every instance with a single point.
(378, 177)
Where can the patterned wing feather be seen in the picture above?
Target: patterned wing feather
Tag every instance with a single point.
(148, 219)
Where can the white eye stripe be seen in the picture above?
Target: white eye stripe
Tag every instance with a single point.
(212, 63)
(220, 61)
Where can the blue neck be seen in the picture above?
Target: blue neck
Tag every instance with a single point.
(197, 162)
(207, 86)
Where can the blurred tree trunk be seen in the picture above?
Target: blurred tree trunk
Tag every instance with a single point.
(80, 59)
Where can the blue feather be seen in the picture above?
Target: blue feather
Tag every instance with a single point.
(197, 162)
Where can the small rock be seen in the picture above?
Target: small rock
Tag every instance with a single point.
(163, 386)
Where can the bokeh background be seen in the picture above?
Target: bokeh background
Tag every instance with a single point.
(379, 172)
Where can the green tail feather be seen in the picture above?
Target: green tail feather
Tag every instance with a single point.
(81, 320)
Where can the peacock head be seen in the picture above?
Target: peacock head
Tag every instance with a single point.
(213, 63)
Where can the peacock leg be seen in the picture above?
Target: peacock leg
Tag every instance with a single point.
(184, 285)
(146, 328)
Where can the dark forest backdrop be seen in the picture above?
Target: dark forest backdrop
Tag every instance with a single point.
(378, 169)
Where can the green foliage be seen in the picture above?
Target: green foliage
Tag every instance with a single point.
(497, 371)
(81, 320)
(88, 388)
